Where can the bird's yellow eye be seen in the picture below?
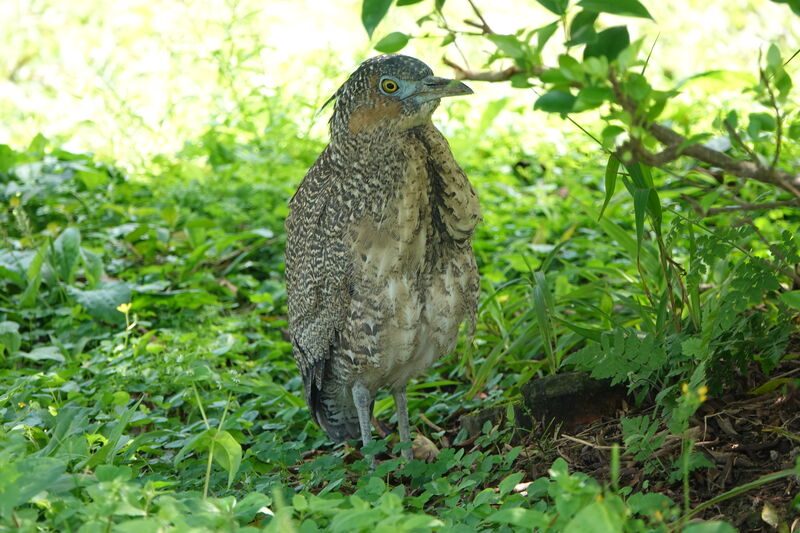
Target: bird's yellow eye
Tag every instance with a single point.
(389, 85)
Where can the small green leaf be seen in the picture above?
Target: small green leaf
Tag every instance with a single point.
(773, 56)
(640, 197)
(33, 277)
(792, 299)
(610, 134)
(555, 102)
(732, 119)
(10, 339)
(626, 8)
(559, 7)
(609, 43)
(543, 35)
(197, 443)
(401, 3)
(715, 526)
(612, 168)
(372, 12)
(392, 43)
(66, 251)
(760, 122)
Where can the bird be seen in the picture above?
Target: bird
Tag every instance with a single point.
(379, 266)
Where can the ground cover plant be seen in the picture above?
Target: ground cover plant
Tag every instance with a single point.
(147, 383)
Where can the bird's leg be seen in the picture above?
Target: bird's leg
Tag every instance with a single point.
(403, 427)
(363, 400)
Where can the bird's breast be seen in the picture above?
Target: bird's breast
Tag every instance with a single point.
(412, 285)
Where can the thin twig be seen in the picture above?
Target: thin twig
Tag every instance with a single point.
(430, 424)
(778, 120)
(486, 29)
(586, 443)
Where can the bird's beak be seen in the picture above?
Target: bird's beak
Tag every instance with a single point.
(431, 88)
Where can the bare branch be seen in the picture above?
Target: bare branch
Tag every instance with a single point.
(475, 75)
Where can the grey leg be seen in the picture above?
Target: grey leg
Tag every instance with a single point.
(403, 426)
(363, 399)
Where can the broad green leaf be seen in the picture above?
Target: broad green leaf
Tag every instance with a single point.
(592, 98)
(508, 484)
(92, 267)
(66, 251)
(401, 3)
(34, 277)
(10, 339)
(612, 168)
(581, 29)
(555, 102)
(43, 353)
(25, 478)
(102, 303)
(69, 420)
(392, 43)
(559, 7)
(196, 443)
(609, 43)
(792, 299)
(372, 12)
(509, 45)
(626, 8)
(227, 452)
(601, 516)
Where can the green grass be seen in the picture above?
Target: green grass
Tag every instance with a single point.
(146, 383)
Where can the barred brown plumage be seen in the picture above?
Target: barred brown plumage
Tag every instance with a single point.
(380, 272)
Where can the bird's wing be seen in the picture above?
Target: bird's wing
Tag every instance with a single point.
(318, 272)
(457, 202)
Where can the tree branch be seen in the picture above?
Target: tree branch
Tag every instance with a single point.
(475, 75)
(673, 140)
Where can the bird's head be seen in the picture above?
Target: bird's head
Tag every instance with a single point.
(389, 93)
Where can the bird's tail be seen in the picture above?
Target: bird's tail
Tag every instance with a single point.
(335, 412)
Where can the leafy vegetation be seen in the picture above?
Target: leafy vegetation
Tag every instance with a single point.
(147, 384)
